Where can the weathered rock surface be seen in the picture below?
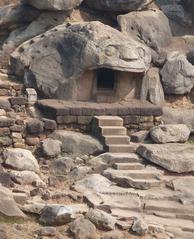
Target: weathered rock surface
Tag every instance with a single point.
(175, 157)
(183, 184)
(12, 16)
(177, 74)
(119, 5)
(8, 206)
(62, 166)
(77, 143)
(44, 22)
(57, 214)
(140, 227)
(151, 88)
(150, 26)
(93, 182)
(54, 5)
(101, 220)
(97, 46)
(178, 116)
(170, 133)
(51, 147)
(26, 177)
(20, 159)
(34, 126)
(83, 229)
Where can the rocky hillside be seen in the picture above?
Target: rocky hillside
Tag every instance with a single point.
(114, 166)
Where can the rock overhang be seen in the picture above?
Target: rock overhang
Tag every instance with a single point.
(66, 52)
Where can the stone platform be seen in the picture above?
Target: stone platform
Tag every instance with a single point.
(135, 113)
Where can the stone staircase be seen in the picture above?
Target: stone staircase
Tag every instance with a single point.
(125, 173)
(112, 133)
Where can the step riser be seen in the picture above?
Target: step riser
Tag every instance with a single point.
(121, 150)
(126, 160)
(118, 140)
(128, 167)
(113, 131)
(141, 176)
(110, 123)
(169, 210)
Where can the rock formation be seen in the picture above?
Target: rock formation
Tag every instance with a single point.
(96, 119)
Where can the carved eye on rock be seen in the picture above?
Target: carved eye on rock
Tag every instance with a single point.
(110, 51)
(141, 52)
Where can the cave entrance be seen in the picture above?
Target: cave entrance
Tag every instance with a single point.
(106, 79)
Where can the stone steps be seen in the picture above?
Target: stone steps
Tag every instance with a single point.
(185, 225)
(121, 148)
(168, 206)
(135, 174)
(109, 120)
(128, 166)
(129, 178)
(113, 130)
(117, 139)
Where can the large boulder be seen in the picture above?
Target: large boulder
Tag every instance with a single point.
(20, 159)
(13, 16)
(175, 157)
(55, 61)
(57, 5)
(152, 89)
(175, 11)
(44, 22)
(77, 143)
(178, 116)
(8, 206)
(170, 133)
(150, 26)
(177, 74)
(118, 5)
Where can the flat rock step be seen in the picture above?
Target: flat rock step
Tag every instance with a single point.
(113, 130)
(128, 166)
(109, 120)
(128, 182)
(168, 206)
(117, 139)
(185, 225)
(122, 148)
(135, 174)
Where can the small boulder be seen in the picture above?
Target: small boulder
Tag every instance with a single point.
(47, 231)
(170, 133)
(56, 215)
(34, 126)
(20, 159)
(101, 219)
(83, 229)
(26, 178)
(152, 89)
(62, 166)
(8, 206)
(113, 235)
(140, 227)
(177, 74)
(54, 5)
(51, 147)
(174, 157)
(77, 143)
